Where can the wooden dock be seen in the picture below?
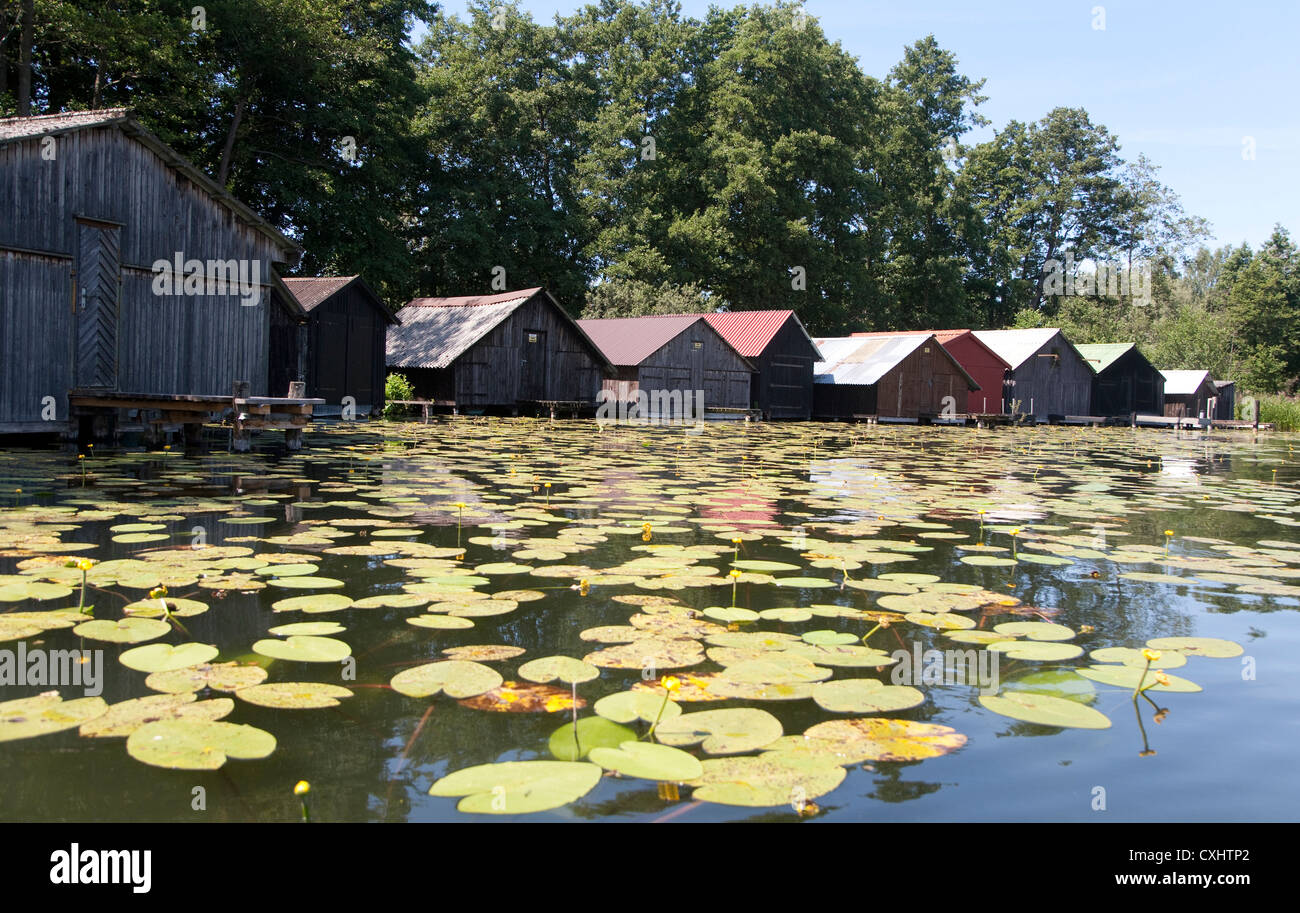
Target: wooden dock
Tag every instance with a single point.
(105, 414)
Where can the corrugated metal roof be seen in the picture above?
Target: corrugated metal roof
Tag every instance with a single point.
(1015, 347)
(944, 336)
(474, 300)
(1184, 383)
(862, 360)
(628, 341)
(1101, 355)
(433, 336)
(750, 332)
(312, 291)
(12, 128)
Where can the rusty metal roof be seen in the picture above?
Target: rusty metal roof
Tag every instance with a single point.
(628, 341)
(750, 332)
(22, 127)
(434, 332)
(311, 291)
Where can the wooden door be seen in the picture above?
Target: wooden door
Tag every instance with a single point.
(532, 366)
(98, 292)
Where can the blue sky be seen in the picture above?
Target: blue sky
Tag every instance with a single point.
(1185, 83)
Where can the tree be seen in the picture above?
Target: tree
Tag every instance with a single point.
(636, 298)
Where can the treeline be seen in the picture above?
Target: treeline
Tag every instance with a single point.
(631, 158)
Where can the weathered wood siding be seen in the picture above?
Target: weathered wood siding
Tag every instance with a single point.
(713, 367)
(504, 368)
(783, 386)
(1047, 386)
(347, 346)
(174, 344)
(918, 386)
(1129, 384)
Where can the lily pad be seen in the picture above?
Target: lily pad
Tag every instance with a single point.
(441, 622)
(518, 787)
(455, 678)
(310, 628)
(29, 717)
(1036, 650)
(1198, 646)
(766, 781)
(217, 676)
(865, 695)
(1045, 710)
(316, 603)
(874, 739)
(197, 745)
(647, 761)
(123, 631)
(1130, 656)
(1035, 630)
(558, 668)
(1127, 677)
(304, 649)
(166, 657)
(721, 731)
(573, 741)
(294, 695)
(122, 719)
(630, 706)
(484, 653)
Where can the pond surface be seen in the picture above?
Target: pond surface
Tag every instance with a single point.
(615, 545)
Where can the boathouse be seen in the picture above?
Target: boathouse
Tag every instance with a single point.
(508, 352)
(1189, 394)
(345, 342)
(782, 353)
(1125, 383)
(671, 359)
(978, 360)
(888, 376)
(1048, 378)
(127, 276)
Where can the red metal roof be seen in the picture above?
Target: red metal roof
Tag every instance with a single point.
(749, 332)
(473, 300)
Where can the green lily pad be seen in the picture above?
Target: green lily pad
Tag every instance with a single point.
(150, 608)
(874, 739)
(721, 731)
(865, 695)
(649, 652)
(306, 583)
(1127, 677)
(217, 676)
(943, 621)
(518, 787)
(1035, 630)
(304, 649)
(830, 638)
(29, 717)
(1063, 683)
(123, 631)
(804, 583)
(484, 653)
(591, 732)
(730, 614)
(122, 719)
(311, 628)
(630, 706)
(771, 667)
(1130, 656)
(787, 615)
(166, 657)
(315, 603)
(558, 668)
(649, 762)
(1198, 646)
(197, 745)
(764, 566)
(440, 622)
(1037, 651)
(1045, 710)
(454, 677)
(975, 637)
(766, 781)
(987, 561)
(294, 695)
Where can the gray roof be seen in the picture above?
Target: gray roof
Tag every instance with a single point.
(434, 332)
(1015, 347)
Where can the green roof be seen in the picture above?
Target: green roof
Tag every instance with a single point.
(1101, 355)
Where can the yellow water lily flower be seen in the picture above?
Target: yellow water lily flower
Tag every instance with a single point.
(1150, 655)
(301, 788)
(671, 683)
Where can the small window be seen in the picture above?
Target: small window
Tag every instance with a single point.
(697, 345)
(927, 350)
(532, 337)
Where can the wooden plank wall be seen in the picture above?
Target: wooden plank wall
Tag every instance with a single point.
(715, 368)
(783, 387)
(1054, 386)
(181, 344)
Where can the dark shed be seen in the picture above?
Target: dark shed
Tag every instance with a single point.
(778, 346)
(1188, 394)
(1125, 381)
(657, 357)
(346, 344)
(908, 375)
(1048, 376)
(1225, 403)
(124, 269)
(495, 351)
(977, 360)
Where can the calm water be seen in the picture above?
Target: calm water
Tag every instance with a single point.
(1219, 754)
